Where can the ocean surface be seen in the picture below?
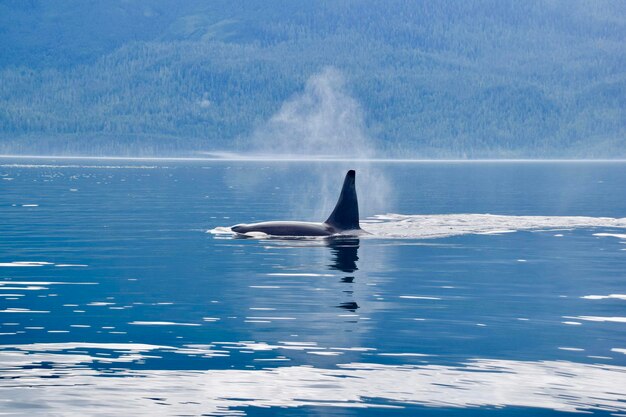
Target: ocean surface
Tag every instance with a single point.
(481, 289)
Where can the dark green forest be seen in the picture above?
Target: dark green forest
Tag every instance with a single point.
(431, 79)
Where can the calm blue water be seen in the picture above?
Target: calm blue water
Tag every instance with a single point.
(114, 299)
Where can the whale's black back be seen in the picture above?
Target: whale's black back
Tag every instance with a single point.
(345, 216)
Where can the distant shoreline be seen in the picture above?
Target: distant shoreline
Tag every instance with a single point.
(264, 158)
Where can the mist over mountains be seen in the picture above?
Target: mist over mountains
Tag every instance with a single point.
(436, 79)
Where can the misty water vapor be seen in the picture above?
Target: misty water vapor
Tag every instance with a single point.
(324, 121)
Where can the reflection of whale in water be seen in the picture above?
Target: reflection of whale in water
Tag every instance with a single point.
(345, 255)
(344, 218)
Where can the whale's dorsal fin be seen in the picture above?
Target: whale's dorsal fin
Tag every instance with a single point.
(345, 216)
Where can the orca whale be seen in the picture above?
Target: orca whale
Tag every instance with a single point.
(343, 220)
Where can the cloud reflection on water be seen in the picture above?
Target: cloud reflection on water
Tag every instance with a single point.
(555, 385)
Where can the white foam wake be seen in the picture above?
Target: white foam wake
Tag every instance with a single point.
(431, 226)
(444, 225)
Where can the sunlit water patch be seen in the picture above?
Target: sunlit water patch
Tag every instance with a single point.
(553, 385)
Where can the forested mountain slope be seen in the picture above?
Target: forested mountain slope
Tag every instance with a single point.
(445, 78)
